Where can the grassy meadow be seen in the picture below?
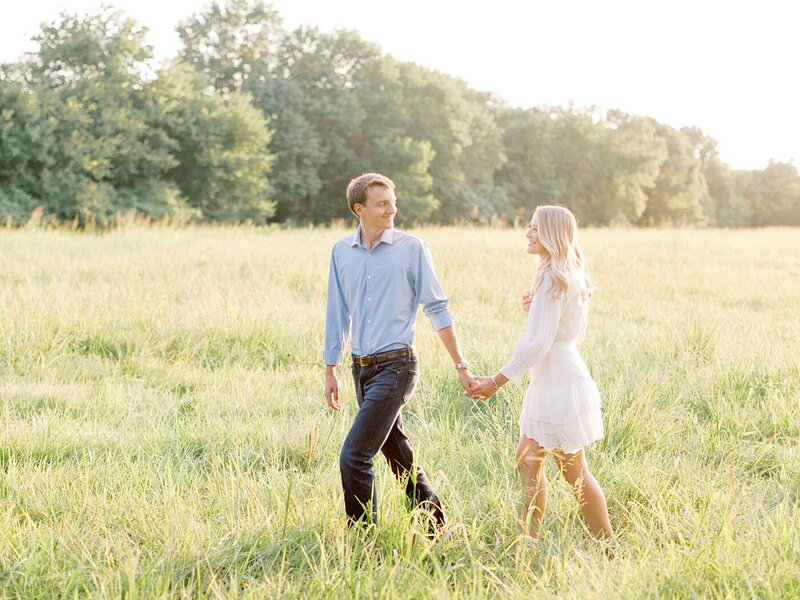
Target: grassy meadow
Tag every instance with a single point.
(163, 431)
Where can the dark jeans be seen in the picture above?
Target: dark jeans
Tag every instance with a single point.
(381, 392)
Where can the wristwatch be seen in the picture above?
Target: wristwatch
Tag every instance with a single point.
(462, 365)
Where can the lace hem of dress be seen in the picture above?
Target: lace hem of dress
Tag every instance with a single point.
(568, 437)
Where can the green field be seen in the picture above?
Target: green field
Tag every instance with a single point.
(164, 432)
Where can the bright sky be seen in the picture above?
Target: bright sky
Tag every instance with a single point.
(729, 67)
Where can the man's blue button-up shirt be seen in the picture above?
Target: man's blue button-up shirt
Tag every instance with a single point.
(375, 293)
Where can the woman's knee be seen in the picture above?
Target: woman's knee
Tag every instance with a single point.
(529, 454)
(573, 467)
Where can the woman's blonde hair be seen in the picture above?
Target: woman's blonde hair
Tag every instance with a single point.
(565, 261)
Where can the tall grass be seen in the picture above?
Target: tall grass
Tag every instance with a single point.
(164, 432)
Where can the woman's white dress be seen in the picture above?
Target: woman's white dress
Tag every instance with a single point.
(561, 408)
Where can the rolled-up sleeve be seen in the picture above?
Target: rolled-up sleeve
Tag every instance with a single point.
(543, 321)
(337, 318)
(429, 291)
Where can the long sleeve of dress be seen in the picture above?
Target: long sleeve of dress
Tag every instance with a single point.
(543, 320)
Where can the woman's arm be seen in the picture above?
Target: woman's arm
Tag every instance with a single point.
(543, 319)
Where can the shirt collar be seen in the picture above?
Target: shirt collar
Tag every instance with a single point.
(387, 237)
(356, 237)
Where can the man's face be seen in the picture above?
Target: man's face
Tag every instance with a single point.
(379, 210)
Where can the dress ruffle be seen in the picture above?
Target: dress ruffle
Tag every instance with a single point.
(561, 408)
(569, 437)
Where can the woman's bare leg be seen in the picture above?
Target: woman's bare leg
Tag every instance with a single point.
(530, 460)
(588, 492)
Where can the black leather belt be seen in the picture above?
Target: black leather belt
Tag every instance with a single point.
(382, 357)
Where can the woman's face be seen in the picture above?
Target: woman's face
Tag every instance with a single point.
(534, 246)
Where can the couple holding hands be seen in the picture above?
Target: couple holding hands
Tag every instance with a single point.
(378, 277)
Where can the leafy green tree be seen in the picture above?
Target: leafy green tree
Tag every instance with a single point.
(220, 152)
(24, 132)
(298, 147)
(463, 135)
(243, 46)
(347, 94)
(773, 194)
(89, 148)
(233, 44)
(97, 132)
(381, 142)
(730, 208)
(325, 97)
(598, 165)
(725, 207)
(630, 155)
(680, 192)
(528, 178)
(312, 60)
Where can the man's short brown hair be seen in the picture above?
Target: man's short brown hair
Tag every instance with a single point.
(357, 188)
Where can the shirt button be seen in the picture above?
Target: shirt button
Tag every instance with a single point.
(369, 320)
(369, 276)
(369, 299)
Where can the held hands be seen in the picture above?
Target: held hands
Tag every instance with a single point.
(483, 388)
(473, 386)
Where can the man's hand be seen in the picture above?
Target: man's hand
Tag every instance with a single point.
(466, 380)
(527, 298)
(332, 388)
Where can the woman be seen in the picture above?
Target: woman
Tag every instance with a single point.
(561, 409)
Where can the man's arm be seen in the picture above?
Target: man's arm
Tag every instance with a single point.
(332, 387)
(429, 291)
(434, 304)
(337, 328)
(450, 342)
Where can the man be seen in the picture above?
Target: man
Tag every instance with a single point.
(378, 277)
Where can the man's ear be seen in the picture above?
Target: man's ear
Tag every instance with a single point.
(357, 208)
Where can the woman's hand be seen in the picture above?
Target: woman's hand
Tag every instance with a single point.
(527, 298)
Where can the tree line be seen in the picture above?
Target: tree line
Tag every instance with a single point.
(254, 122)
